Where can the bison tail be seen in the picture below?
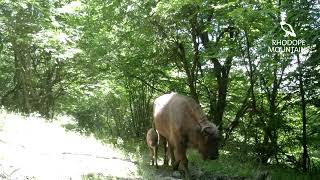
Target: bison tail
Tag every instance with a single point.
(158, 135)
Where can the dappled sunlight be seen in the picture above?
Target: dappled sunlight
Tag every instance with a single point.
(226, 152)
(30, 147)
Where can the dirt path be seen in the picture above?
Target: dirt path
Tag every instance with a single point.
(33, 149)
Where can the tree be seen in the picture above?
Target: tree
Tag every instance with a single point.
(36, 50)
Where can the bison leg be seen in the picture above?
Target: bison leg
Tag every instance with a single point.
(173, 160)
(184, 168)
(151, 154)
(156, 155)
(175, 165)
(182, 161)
(166, 156)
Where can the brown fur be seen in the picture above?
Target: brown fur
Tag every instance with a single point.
(181, 121)
(152, 141)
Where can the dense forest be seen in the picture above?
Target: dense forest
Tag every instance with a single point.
(253, 66)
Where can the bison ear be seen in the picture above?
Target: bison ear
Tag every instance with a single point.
(206, 130)
(209, 130)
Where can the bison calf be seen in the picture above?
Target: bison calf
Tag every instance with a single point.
(153, 140)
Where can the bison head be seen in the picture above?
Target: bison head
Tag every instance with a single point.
(209, 147)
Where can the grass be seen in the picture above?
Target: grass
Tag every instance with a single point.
(237, 162)
(229, 165)
(226, 165)
(234, 162)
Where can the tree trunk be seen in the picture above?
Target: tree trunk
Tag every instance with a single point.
(304, 117)
(190, 71)
(22, 92)
(222, 75)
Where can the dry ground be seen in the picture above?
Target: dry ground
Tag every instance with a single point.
(31, 148)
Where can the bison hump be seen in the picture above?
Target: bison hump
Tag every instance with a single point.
(161, 102)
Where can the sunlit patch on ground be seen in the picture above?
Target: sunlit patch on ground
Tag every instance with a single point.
(34, 149)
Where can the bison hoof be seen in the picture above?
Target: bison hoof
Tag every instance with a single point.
(176, 174)
(184, 175)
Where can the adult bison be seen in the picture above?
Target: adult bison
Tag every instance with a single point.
(182, 122)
